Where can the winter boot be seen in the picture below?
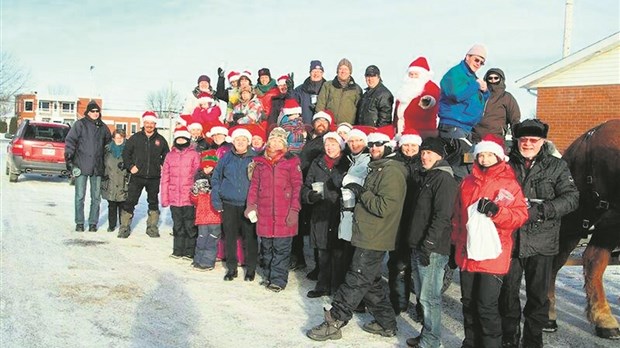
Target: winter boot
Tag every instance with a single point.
(328, 330)
(151, 224)
(125, 227)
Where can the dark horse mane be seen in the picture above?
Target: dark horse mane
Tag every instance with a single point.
(594, 161)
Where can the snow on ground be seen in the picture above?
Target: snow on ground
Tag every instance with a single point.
(66, 289)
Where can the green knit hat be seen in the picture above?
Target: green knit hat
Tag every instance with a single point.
(208, 158)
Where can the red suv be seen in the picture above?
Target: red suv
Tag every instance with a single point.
(38, 147)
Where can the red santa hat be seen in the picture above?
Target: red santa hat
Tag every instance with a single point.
(491, 143)
(240, 131)
(335, 136)
(344, 127)
(194, 125)
(217, 128)
(282, 80)
(149, 116)
(291, 106)
(385, 133)
(361, 132)
(247, 74)
(181, 132)
(184, 120)
(257, 130)
(326, 114)
(410, 136)
(204, 97)
(419, 64)
(233, 76)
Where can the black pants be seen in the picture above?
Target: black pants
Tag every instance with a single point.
(537, 270)
(114, 213)
(303, 229)
(184, 230)
(363, 282)
(481, 320)
(136, 184)
(399, 276)
(235, 224)
(332, 269)
(276, 257)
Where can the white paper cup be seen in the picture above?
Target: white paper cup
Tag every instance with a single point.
(318, 187)
(348, 198)
(252, 216)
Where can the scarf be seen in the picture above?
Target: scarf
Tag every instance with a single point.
(265, 88)
(331, 162)
(274, 156)
(117, 150)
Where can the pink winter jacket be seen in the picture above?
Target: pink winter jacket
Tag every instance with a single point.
(274, 194)
(177, 176)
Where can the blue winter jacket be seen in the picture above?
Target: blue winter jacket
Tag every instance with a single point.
(461, 102)
(230, 182)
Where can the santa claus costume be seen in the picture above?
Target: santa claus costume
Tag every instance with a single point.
(417, 101)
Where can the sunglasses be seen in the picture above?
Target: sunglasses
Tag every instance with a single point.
(526, 140)
(94, 110)
(493, 78)
(478, 60)
(376, 143)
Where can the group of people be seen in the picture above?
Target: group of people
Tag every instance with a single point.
(361, 173)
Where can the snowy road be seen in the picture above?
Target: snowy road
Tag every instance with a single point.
(60, 288)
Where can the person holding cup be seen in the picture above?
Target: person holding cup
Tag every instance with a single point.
(277, 176)
(322, 190)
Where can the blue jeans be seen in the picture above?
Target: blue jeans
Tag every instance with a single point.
(453, 132)
(429, 280)
(206, 244)
(80, 197)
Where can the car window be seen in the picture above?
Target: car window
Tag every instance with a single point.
(46, 133)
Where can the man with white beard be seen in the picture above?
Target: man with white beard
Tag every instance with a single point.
(417, 100)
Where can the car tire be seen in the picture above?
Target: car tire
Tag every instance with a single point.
(13, 177)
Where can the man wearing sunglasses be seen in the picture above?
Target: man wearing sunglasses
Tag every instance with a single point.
(84, 151)
(549, 188)
(502, 109)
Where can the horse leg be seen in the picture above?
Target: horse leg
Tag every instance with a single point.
(595, 260)
(567, 245)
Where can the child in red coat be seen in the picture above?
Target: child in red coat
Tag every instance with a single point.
(208, 220)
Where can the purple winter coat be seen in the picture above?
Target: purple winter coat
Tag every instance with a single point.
(177, 176)
(274, 194)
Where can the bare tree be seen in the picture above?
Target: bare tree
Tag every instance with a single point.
(13, 80)
(166, 102)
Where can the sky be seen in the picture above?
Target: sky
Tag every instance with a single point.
(138, 47)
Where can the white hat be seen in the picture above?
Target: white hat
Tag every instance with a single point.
(181, 132)
(241, 132)
(149, 116)
(335, 136)
(493, 144)
(217, 130)
(410, 136)
(326, 114)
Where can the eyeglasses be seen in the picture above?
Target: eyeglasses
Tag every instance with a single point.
(530, 140)
(478, 60)
(93, 110)
(376, 143)
(493, 78)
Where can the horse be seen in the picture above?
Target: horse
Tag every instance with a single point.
(594, 162)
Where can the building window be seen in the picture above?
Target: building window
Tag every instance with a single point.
(28, 105)
(134, 128)
(44, 105)
(68, 107)
(122, 126)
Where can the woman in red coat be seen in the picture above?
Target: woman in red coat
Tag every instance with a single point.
(494, 191)
(273, 203)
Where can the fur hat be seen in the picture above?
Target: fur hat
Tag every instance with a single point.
(181, 132)
(91, 106)
(531, 127)
(279, 133)
(410, 136)
(326, 114)
(478, 50)
(491, 143)
(435, 144)
(335, 136)
(149, 116)
(291, 106)
(347, 63)
(208, 158)
(204, 78)
(264, 71)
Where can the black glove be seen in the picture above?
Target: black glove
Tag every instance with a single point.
(220, 72)
(534, 212)
(238, 115)
(424, 256)
(69, 165)
(452, 260)
(121, 165)
(487, 207)
(356, 188)
(314, 197)
(289, 82)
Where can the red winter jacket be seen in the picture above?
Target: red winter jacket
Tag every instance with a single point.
(177, 176)
(274, 194)
(487, 183)
(205, 213)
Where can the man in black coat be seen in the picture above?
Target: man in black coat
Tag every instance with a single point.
(375, 107)
(551, 193)
(143, 156)
(84, 150)
(308, 92)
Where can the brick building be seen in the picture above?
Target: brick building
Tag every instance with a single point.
(579, 91)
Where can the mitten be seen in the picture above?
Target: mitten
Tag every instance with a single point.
(314, 197)
(487, 207)
(356, 188)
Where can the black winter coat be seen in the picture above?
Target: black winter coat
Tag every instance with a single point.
(431, 226)
(325, 213)
(549, 180)
(146, 153)
(307, 94)
(312, 149)
(414, 167)
(85, 145)
(375, 107)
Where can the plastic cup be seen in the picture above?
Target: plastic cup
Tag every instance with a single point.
(318, 187)
(348, 198)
